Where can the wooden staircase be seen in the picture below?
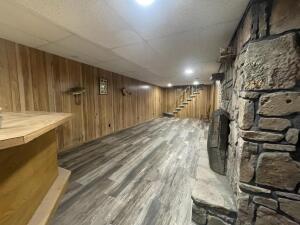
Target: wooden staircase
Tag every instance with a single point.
(184, 99)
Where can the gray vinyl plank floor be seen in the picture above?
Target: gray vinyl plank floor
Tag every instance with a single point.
(139, 176)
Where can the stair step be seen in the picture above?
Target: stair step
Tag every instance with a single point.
(195, 93)
(168, 114)
(185, 103)
(192, 96)
(178, 109)
(175, 112)
(181, 106)
(189, 99)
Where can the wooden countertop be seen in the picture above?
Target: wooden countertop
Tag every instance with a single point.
(21, 128)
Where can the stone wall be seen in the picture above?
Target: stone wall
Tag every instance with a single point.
(205, 214)
(261, 92)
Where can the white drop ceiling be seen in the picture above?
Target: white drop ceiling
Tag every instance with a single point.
(153, 44)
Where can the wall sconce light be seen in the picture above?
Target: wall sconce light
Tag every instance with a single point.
(77, 92)
(125, 92)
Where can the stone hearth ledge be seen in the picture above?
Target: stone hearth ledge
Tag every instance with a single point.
(212, 197)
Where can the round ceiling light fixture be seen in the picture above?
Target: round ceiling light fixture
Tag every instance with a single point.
(170, 85)
(189, 71)
(196, 82)
(145, 2)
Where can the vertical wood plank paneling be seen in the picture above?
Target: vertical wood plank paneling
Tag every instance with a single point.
(96, 102)
(34, 80)
(88, 103)
(5, 93)
(151, 105)
(50, 82)
(75, 80)
(27, 77)
(129, 103)
(65, 98)
(140, 109)
(57, 97)
(13, 76)
(118, 101)
(20, 79)
(106, 104)
(39, 80)
(215, 90)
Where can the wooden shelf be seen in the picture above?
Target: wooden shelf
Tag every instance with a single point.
(21, 128)
(50, 202)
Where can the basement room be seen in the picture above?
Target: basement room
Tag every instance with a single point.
(149, 112)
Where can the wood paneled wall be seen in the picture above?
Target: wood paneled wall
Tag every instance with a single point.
(215, 92)
(170, 97)
(32, 80)
(200, 107)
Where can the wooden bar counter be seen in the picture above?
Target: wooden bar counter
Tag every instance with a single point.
(31, 183)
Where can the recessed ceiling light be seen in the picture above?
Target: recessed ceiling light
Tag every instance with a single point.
(170, 85)
(145, 2)
(195, 82)
(189, 71)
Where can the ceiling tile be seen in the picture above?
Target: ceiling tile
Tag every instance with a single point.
(141, 54)
(22, 19)
(60, 50)
(198, 49)
(87, 48)
(13, 34)
(122, 66)
(169, 17)
(92, 20)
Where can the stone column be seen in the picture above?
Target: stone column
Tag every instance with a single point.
(267, 153)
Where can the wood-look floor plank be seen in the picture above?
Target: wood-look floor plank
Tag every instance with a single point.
(139, 176)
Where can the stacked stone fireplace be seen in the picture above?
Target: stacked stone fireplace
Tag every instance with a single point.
(261, 93)
(268, 129)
